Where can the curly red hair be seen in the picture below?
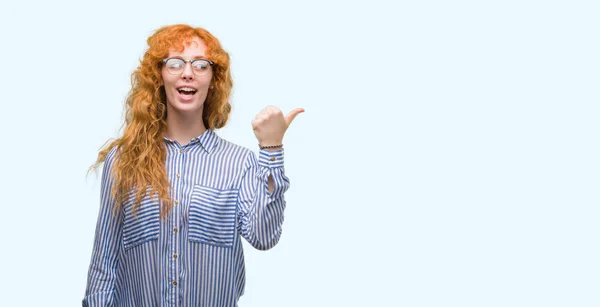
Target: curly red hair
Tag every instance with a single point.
(141, 151)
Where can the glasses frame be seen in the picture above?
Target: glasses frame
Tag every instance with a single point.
(185, 63)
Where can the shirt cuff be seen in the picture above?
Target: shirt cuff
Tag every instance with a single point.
(270, 158)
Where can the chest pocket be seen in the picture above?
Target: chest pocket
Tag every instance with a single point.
(142, 227)
(212, 216)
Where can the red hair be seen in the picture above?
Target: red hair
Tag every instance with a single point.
(141, 151)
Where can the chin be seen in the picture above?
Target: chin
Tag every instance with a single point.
(188, 106)
(180, 105)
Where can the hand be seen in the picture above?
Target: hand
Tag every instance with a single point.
(270, 125)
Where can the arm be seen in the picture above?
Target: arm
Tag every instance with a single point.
(260, 207)
(107, 243)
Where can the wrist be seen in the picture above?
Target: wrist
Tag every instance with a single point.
(273, 142)
(267, 146)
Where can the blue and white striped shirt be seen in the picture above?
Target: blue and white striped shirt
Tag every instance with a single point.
(193, 257)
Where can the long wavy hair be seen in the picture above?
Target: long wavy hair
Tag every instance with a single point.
(141, 151)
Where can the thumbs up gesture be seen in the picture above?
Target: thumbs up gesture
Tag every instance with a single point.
(270, 125)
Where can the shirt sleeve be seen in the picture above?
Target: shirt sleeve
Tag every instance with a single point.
(260, 213)
(107, 243)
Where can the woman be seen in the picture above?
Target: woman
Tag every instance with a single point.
(175, 197)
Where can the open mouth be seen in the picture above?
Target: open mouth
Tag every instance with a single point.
(187, 91)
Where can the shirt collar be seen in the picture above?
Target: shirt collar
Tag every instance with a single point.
(208, 140)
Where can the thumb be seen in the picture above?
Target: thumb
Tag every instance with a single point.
(290, 116)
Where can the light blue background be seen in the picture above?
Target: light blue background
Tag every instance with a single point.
(448, 155)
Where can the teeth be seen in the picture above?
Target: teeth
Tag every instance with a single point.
(187, 89)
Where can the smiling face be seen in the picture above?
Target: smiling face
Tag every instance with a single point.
(186, 91)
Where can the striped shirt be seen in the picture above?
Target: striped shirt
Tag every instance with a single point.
(194, 256)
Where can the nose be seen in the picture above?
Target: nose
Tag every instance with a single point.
(188, 73)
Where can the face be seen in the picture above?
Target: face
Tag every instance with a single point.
(186, 91)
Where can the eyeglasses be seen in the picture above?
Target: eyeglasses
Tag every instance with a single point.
(175, 66)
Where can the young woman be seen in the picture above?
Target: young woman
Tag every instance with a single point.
(175, 197)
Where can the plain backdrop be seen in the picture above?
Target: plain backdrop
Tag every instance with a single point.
(448, 155)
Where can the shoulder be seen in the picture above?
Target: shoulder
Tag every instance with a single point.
(111, 156)
(232, 150)
(110, 159)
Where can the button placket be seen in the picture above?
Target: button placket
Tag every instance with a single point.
(175, 235)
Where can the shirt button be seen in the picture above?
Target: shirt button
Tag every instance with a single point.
(175, 256)
(176, 201)
(175, 229)
(180, 151)
(175, 283)
(177, 175)
(273, 159)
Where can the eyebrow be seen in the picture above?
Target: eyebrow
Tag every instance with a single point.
(197, 57)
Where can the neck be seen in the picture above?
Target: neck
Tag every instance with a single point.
(182, 127)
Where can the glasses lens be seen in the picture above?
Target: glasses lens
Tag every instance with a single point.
(175, 66)
(200, 66)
